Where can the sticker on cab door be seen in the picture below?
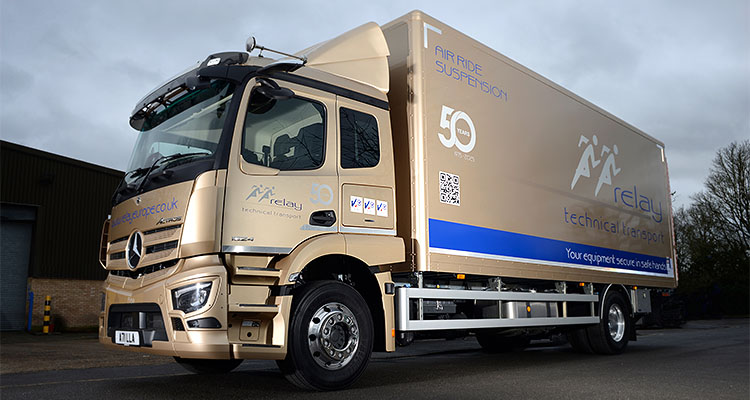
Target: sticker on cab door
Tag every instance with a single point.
(382, 207)
(369, 206)
(356, 204)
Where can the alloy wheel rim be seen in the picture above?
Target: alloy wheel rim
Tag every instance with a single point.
(333, 336)
(616, 322)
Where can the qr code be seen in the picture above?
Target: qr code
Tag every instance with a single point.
(450, 189)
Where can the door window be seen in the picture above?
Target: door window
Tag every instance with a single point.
(360, 143)
(285, 134)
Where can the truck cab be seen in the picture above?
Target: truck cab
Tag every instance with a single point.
(250, 176)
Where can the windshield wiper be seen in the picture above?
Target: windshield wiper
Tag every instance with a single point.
(124, 185)
(162, 159)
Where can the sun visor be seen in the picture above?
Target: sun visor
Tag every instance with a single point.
(360, 55)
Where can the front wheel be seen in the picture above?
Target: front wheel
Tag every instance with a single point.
(330, 337)
(610, 335)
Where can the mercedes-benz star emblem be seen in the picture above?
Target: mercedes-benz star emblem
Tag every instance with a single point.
(134, 250)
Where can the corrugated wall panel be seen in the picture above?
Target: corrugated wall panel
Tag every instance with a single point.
(73, 199)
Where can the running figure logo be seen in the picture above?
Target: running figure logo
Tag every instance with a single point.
(589, 162)
(261, 192)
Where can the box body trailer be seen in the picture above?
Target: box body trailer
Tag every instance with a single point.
(391, 182)
(512, 175)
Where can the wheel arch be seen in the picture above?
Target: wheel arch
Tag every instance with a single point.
(352, 259)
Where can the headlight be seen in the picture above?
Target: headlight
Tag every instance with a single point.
(192, 297)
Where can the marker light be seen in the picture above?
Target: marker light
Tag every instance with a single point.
(192, 297)
(460, 276)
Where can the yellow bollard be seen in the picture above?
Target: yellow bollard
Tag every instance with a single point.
(47, 306)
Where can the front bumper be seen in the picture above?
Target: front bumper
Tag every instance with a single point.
(144, 305)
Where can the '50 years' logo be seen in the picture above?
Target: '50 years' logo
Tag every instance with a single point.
(456, 132)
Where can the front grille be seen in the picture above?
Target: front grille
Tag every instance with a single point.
(166, 228)
(145, 270)
(157, 230)
(118, 240)
(142, 317)
(117, 256)
(161, 247)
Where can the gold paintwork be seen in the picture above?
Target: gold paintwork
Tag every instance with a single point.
(376, 182)
(121, 227)
(280, 226)
(375, 250)
(388, 313)
(156, 288)
(518, 176)
(200, 230)
(360, 54)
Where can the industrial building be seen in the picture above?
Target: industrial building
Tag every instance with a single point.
(52, 209)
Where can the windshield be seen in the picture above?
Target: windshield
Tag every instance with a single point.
(192, 124)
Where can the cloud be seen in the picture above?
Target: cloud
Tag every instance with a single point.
(72, 71)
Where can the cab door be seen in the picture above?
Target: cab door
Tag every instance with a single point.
(365, 168)
(282, 178)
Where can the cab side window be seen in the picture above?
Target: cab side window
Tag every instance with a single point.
(360, 143)
(286, 134)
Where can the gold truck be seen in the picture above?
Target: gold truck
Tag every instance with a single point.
(395, 181)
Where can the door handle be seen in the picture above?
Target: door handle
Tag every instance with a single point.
(323, 218)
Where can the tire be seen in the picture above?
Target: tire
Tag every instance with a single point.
(330, 337)
(496, 343)
(610, 335)
(200, 366)
(579, 341)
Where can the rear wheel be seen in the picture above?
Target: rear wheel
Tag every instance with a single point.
(610, 335)
(579, 341)
(330, 337)
(200, 366)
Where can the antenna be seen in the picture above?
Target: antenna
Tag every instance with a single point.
(251, 45)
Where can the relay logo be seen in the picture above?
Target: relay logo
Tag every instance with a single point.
(261, 192)
(266, 193)
(588, 163)
(606, 158)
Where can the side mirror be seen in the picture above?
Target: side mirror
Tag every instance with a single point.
(197, 82)
(273, 93)
(250, 44)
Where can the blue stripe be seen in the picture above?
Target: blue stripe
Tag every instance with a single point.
(468, 238)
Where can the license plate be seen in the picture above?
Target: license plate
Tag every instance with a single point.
(127, 338)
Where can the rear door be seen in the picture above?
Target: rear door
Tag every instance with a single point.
(365, 168)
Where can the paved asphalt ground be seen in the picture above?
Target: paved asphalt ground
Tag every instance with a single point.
(704, 359)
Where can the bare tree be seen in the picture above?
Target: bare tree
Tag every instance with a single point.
(713, 237)
(727, 194)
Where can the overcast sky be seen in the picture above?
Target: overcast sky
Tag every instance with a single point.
(72, 71)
